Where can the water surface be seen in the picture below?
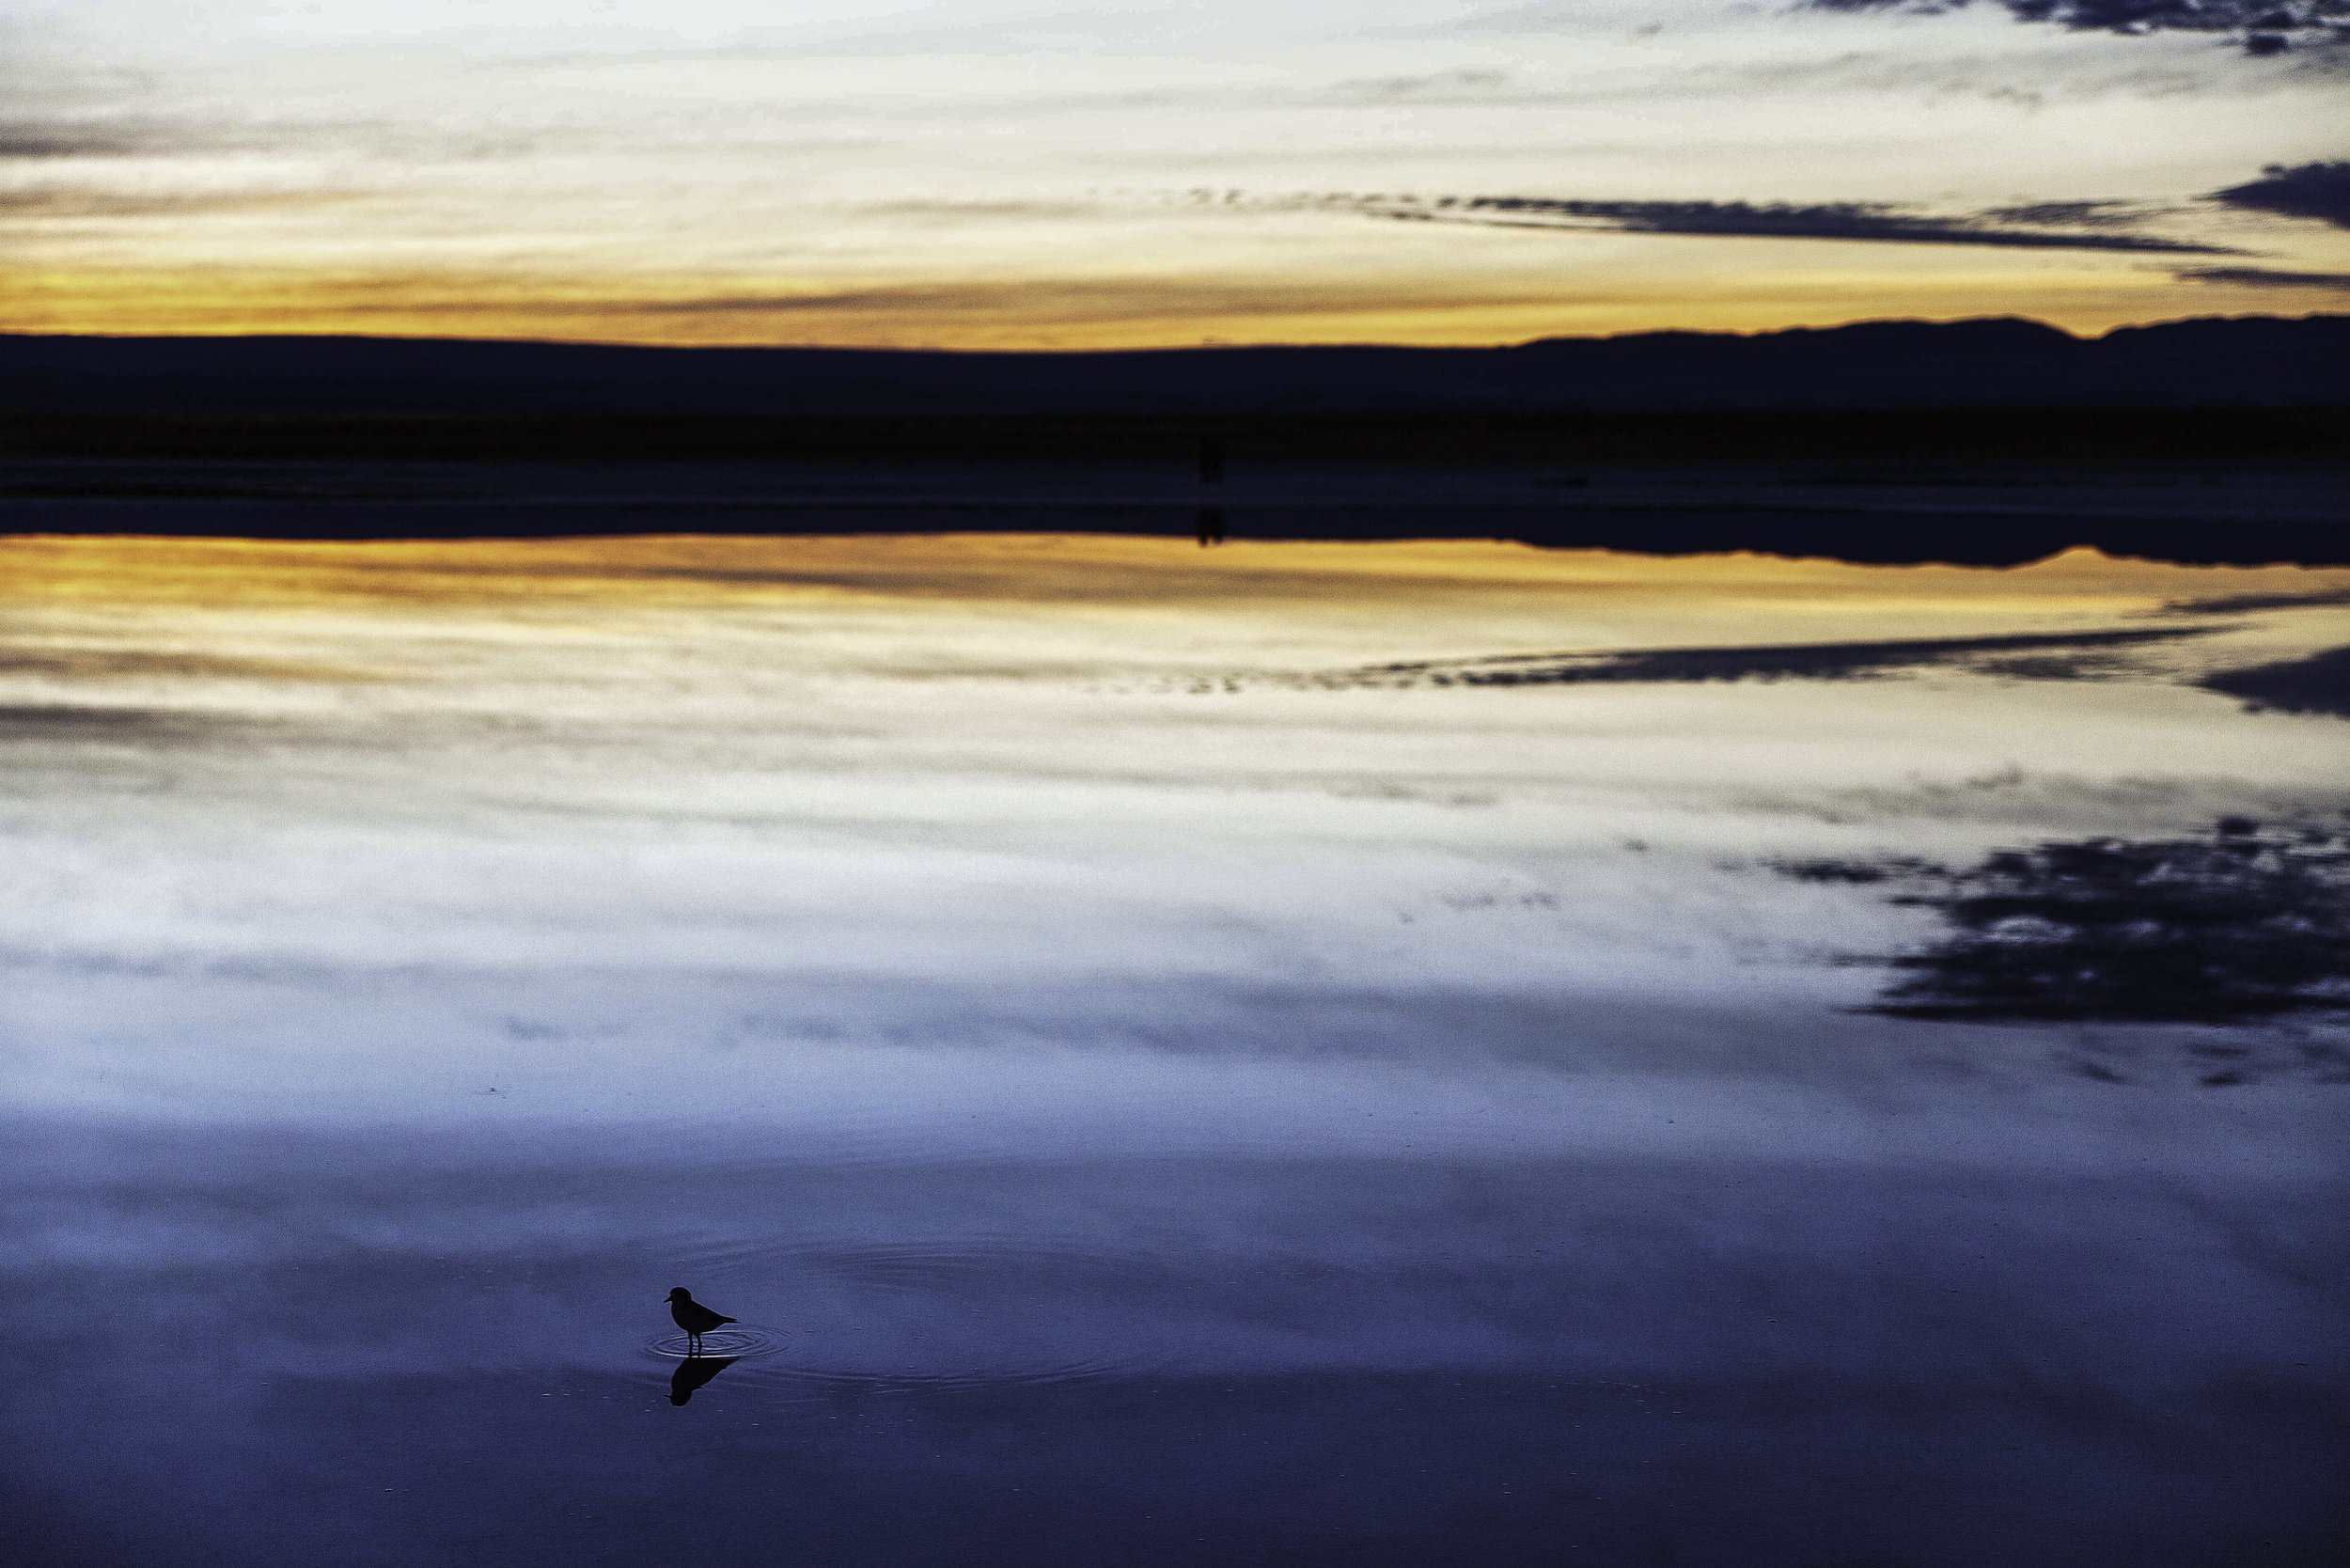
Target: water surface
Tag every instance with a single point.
(1302, 1053)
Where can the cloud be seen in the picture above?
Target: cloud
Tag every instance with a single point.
(2067, 76)
(1008, 210)
(56, 201)
(2074, 214)
(2265, 277)
(2319, 683)
(2258, 27)
(71, 140)
(521, 303)
(1067, 299)
(142, 664)
(147, 135)
(1442, 86)
(2235, 926)
(71, 722)
(2064, 226)
(2320, 192)
(2247, 603)
(2032, 655)
(1540, 16)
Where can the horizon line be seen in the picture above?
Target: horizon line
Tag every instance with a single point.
(8, 334)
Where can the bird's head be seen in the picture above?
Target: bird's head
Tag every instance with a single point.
(681, 1294)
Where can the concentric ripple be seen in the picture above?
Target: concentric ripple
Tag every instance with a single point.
(732, 1342)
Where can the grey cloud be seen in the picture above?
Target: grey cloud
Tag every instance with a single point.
(2068, 225)
(143, 664)
(2258, 27)
(2266, 277)
(2076, 215)
(126, 135)
(97, 202)
(2236, 926)
(1034, 32)
(1541, 16)
(2247, 603)
(2031, 655)
(2319, 683)
(2063, 77)
(2066, 77)
(1008, 210)
(67, 140)
(1037, 33)
(144, 135)
(69, 722)
(2319, 191)
(1440, 87)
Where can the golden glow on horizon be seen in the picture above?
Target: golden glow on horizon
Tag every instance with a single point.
(1111, 572)
(1137, 311)
(957, 176)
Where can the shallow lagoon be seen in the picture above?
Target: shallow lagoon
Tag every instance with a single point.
(1171, 1064)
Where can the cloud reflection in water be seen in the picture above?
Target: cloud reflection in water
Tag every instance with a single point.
(1359, 1124)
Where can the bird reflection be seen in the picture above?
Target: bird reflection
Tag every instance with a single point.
(694, 1371)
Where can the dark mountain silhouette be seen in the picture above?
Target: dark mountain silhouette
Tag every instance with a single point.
(2195, 440)
(2250, 362)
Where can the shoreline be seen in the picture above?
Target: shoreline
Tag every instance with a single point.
(1975, 513)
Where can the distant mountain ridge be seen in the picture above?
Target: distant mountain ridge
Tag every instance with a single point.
(2211, 362)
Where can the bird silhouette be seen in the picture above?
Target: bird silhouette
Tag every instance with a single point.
(695, 1318)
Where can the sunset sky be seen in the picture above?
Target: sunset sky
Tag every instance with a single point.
(991, 173)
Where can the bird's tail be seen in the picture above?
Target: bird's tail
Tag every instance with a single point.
(729, 1319)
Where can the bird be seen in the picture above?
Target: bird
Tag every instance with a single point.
(695, 1318)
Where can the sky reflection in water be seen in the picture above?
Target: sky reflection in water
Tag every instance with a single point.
(1155, 1097)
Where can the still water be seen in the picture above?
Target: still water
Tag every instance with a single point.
(1285, 1053)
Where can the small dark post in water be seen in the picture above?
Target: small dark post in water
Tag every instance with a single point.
(1211, 525)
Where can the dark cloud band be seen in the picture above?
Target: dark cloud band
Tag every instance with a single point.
(2068, 225)
(1863, 221)
(2319, 191)
(2267, 277)
(2029, 655)
(2236, 926)
(2319, 683)
(2259, 27)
